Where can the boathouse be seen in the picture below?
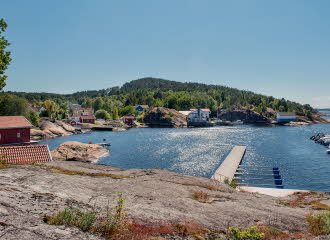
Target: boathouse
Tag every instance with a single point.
(199, 116)
(87, 119)
(14, 129)
(129, 119)
(285, 117)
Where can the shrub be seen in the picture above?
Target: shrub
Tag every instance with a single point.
(251, 233)
(319, 223)
(74, 217)
(232, 184)
(102, 114)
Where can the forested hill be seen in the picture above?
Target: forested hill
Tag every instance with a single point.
(171, 94)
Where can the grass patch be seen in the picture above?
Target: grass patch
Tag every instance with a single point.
(319, 223)
(200, 197)
(232, 184)
(3, 164)
(251, 233)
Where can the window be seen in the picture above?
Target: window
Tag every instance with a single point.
(18, 135)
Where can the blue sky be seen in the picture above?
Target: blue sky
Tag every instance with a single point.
(279, 48)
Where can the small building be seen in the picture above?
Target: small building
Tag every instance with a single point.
(25, 154)
(285, 117)
(74, 106)
(129, 119)
(198, 116)
(75, 117)
(141, 108)
(87, 119)
(14, 129)
(38, 110)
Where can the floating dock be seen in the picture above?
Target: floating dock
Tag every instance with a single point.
(228, 167)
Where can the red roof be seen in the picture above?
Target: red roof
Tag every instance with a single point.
(202, 109)
(25, 154)
(7, 122)
(87, 117)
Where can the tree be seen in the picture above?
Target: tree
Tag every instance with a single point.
(127, 110)
(50, 107)
(4, 55)
(98, 104)
(115, 115)
(102, 114)
(11, 105)
(33, 118)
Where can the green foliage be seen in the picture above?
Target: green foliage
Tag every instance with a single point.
(170, 94)
(232, 184)
(33, 117)
(127, 110)
(4, 55)
(102, 114)
(107, 226)
(251, 233)
(98, 104)
(319, 223)
(11, 105)
(115, 114)
(74, 217)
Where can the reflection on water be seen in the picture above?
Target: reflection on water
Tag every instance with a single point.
(200, 151)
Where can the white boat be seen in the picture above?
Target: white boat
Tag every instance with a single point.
(238, 122)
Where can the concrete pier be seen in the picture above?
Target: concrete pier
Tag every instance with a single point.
(229, 166)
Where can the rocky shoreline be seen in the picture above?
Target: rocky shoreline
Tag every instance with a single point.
(30, 192)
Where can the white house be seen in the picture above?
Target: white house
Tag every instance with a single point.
(201, 115)
(284, 117)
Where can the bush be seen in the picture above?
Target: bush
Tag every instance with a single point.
(232, 184)
(251, 233)
(319, 223)
(102, 114)
(33, 117)
(74, 217)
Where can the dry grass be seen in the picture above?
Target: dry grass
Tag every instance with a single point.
(71, 172)
(200, 196)
(300, 200)
(320, 206)
(276, 234)
(115, 225)
(319, 223)
(3, 164)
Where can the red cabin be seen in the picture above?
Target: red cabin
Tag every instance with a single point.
(14, 129)
(87, 119)
(129, 120)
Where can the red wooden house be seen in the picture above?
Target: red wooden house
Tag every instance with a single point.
(14, 129)
(87, 119)
(129, 119)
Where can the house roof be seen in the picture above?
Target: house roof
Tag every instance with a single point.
(286, 114)
(36, 109)
(143, 106)
(87, 117)
(7, 122)
(202, 109)
(186, 113)
(25, 154)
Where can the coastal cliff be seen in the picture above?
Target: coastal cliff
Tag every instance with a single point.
(51, 129)
(151, 197)
(160, 116)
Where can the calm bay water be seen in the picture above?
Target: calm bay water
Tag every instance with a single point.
(199, 151)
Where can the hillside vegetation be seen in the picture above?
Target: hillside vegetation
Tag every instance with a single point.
(157, 92)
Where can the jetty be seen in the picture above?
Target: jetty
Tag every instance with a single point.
(228, 167)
